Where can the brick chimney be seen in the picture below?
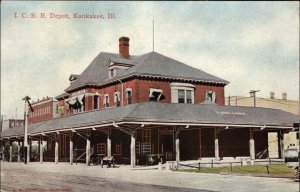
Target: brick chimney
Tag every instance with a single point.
(124, 47)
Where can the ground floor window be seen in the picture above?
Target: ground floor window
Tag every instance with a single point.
(118, 149)
(101, 148)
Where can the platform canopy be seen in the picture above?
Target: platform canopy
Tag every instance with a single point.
(169, 114)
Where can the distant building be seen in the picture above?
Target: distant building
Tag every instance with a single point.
(282, 103)
(10, 123)
(43, 110)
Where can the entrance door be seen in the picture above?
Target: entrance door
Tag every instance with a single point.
(166, 146)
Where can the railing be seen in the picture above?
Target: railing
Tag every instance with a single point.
(216, 166)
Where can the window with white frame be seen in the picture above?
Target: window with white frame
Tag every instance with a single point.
(106, 100)
(155, 94)
(112, 73)
(182, 93)
(210, 97)
(129, 96)
(117, 99)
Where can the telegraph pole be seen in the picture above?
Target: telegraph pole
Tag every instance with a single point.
(297, 126)
(253, 92)
(26, 150)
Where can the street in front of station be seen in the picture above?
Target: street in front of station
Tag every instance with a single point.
(78, 177)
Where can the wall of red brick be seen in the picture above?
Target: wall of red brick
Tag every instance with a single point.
(140, 93)
(144, 89)
(110, 90)
(41, 117)
(201, 92)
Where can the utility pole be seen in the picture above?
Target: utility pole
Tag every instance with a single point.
(253, 93)
(26, 150)
(297, 126)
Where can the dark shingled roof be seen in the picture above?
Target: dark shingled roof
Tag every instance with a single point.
(166, 112)
(154, 63)
(150, 64)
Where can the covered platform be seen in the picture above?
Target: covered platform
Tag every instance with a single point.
(171, 131)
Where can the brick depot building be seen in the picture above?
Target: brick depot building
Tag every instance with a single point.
(129, 106)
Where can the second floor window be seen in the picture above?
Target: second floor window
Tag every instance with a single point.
(155, 94)
(117, 99)
(181, 96)
(129, 96)
(106, 101)
(210, 97)
(96, 101)
(184, 96)
(182, 93)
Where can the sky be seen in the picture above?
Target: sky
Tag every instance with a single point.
(253, 45)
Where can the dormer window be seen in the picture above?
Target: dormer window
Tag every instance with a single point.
(112, 73)
(117, 65)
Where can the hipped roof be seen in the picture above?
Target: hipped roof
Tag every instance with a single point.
(150, 64)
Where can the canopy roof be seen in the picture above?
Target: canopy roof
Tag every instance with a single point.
(152, 113)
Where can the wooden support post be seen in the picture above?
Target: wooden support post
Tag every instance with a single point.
(252, 149)
(217, 149)
(281, 145)
(132, 150)
(10, 151)
(56, 151)
(217, 157)
(177, 149)
(88, 151)
(108, 146)
(41, 150)
(71, 150)
(252, 146)
(19, 151)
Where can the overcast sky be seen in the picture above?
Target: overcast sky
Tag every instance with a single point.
(253, 45)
